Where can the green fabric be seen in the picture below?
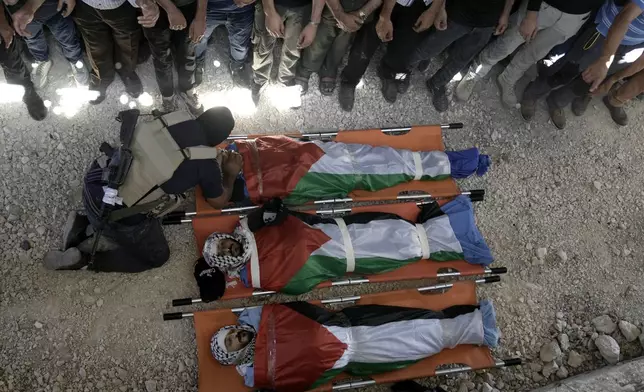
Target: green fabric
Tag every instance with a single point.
(361, 369)
(317, 269)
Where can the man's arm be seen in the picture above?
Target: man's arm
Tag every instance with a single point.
(198, 25)
(24, 16)
(6, 31)
(427, 18)
(596, 72)
(310, 30)
(274, 23)
(371, 6)
(230, 164)
(631, 70)
(316, 11)
(221, 201)
(504, 18)
(387, 7)
(176, 19)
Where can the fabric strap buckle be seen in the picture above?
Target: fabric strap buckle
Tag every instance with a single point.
(348, 246)
(424, 242)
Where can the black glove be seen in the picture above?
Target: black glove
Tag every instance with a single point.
(211, 281)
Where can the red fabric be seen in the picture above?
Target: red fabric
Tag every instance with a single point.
(293, 359)
(282, 163)
(283, 250)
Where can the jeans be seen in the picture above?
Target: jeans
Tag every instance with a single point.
(240, 27)
(166, 45)
(14, 68)
(63, 30)
(629, 90)
(294, 21)
(325, 54)
(141, 242)
(399, 50)
(110, 36)
(469, 42)
(554, 27)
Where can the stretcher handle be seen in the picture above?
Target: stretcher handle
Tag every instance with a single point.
(512, 362)
(492, 279)
(457, 125)
(172, 316)
(182, 301)
(477, 195)
(499, 270)
(173, 220)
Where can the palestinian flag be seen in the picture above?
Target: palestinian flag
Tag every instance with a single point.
(278, 166)
(304, 250)
(300, 346)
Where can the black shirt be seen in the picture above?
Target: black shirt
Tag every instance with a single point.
(575, 7)
(203, 172)
(477, 13)
(293, 4)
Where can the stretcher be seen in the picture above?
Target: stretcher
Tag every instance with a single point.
(420, 138)
(215, 377)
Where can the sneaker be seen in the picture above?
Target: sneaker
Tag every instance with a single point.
(74, 230)
(40, 72)
(508, 97)
(617, 113)
(389, 90)
(402, 82)
(80, 73)
(439, 96)
(99, 98)
(580, 104)
(255, 90)
(304, 85)
(528, 108)
(191, 99)
(466, 86)
(35, 105)
(240, 76)
(557, 114)
(133, 85)
(347, 97)
(70, 259)
(169, 104)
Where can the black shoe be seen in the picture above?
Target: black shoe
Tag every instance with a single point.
(303, 83)
(255, 89)
(240, 75)
(528, 108)
(580, 104)
(199, 75)
(402, 83)
(35, 105)
(557, 114)
(74, 231)
(133, 85)
(347, 97)
(389, 90)
(618, 114)
(423, 66)
(71, 259)
(99, 98)
(439, 96)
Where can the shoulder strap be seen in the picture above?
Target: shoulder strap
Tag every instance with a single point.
(200, 152)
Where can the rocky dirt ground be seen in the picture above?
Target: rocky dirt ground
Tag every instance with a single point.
(563, 211)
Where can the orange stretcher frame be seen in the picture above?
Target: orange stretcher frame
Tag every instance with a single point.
(419, 138)
(215, 377)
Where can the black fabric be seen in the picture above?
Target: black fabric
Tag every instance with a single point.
(271, 213)
(203, 172)
(429, 211)
(576, 7)
(292, 3)
(358, 218)
(15, 69)
(319, 314)
(477, 13)
(217, 123)
(212, 284)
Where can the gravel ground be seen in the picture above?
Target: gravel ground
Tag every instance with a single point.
(563, 212)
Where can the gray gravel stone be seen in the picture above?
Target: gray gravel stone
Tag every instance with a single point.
(562, 372)
(604, 324)
(550, 351)
(630, 331)
(608, 348)
(549, 369)
(575, 359)
(564, 342)
(151, 386)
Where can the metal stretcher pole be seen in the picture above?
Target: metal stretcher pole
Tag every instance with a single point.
(179, 217)
(442, 286)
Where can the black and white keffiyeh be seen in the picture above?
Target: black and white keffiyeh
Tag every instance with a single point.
(244, 356)
(228, 263)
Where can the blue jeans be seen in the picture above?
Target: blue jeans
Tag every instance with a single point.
(239, 26)
(63, 29)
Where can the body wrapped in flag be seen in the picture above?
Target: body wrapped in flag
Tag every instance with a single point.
(281, 250)
(298, 172)
(298, 346)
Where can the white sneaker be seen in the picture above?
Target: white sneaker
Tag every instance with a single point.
(40, 71)
(169, 104)
(192, 100)
(80, 73)
(466, 86)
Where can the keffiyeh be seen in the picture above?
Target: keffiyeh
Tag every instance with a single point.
(241, 357)
(227, 263)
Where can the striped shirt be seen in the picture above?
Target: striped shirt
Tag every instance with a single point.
(635, 33)
(104, 4)
(408, 3)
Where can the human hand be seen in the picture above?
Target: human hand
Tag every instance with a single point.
(605, 87)
(425, 20)
(349, 21)
(595, 73)
(528, 27)
(150, 11)
(71, 4)
(176, 20)
(197, 29)
(21, 19)
(7, 33)
(233, 164)
(440, 22)
(275, 25)
(502, 25)
(385, 29)
(307, 36)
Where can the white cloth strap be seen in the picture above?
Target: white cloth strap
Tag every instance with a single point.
(254, 257)
(348, 246)
(418, 166)
(424, 243)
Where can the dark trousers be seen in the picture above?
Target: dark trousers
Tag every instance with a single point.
(399, 50)
(140, 239)
(239, 26)
(63, 30)
(110, 36)
(468, 42)
(295, 19)
(325, 54)
(166, 45)
(14, 68)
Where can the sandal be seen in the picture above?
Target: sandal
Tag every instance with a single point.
(327, 86)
